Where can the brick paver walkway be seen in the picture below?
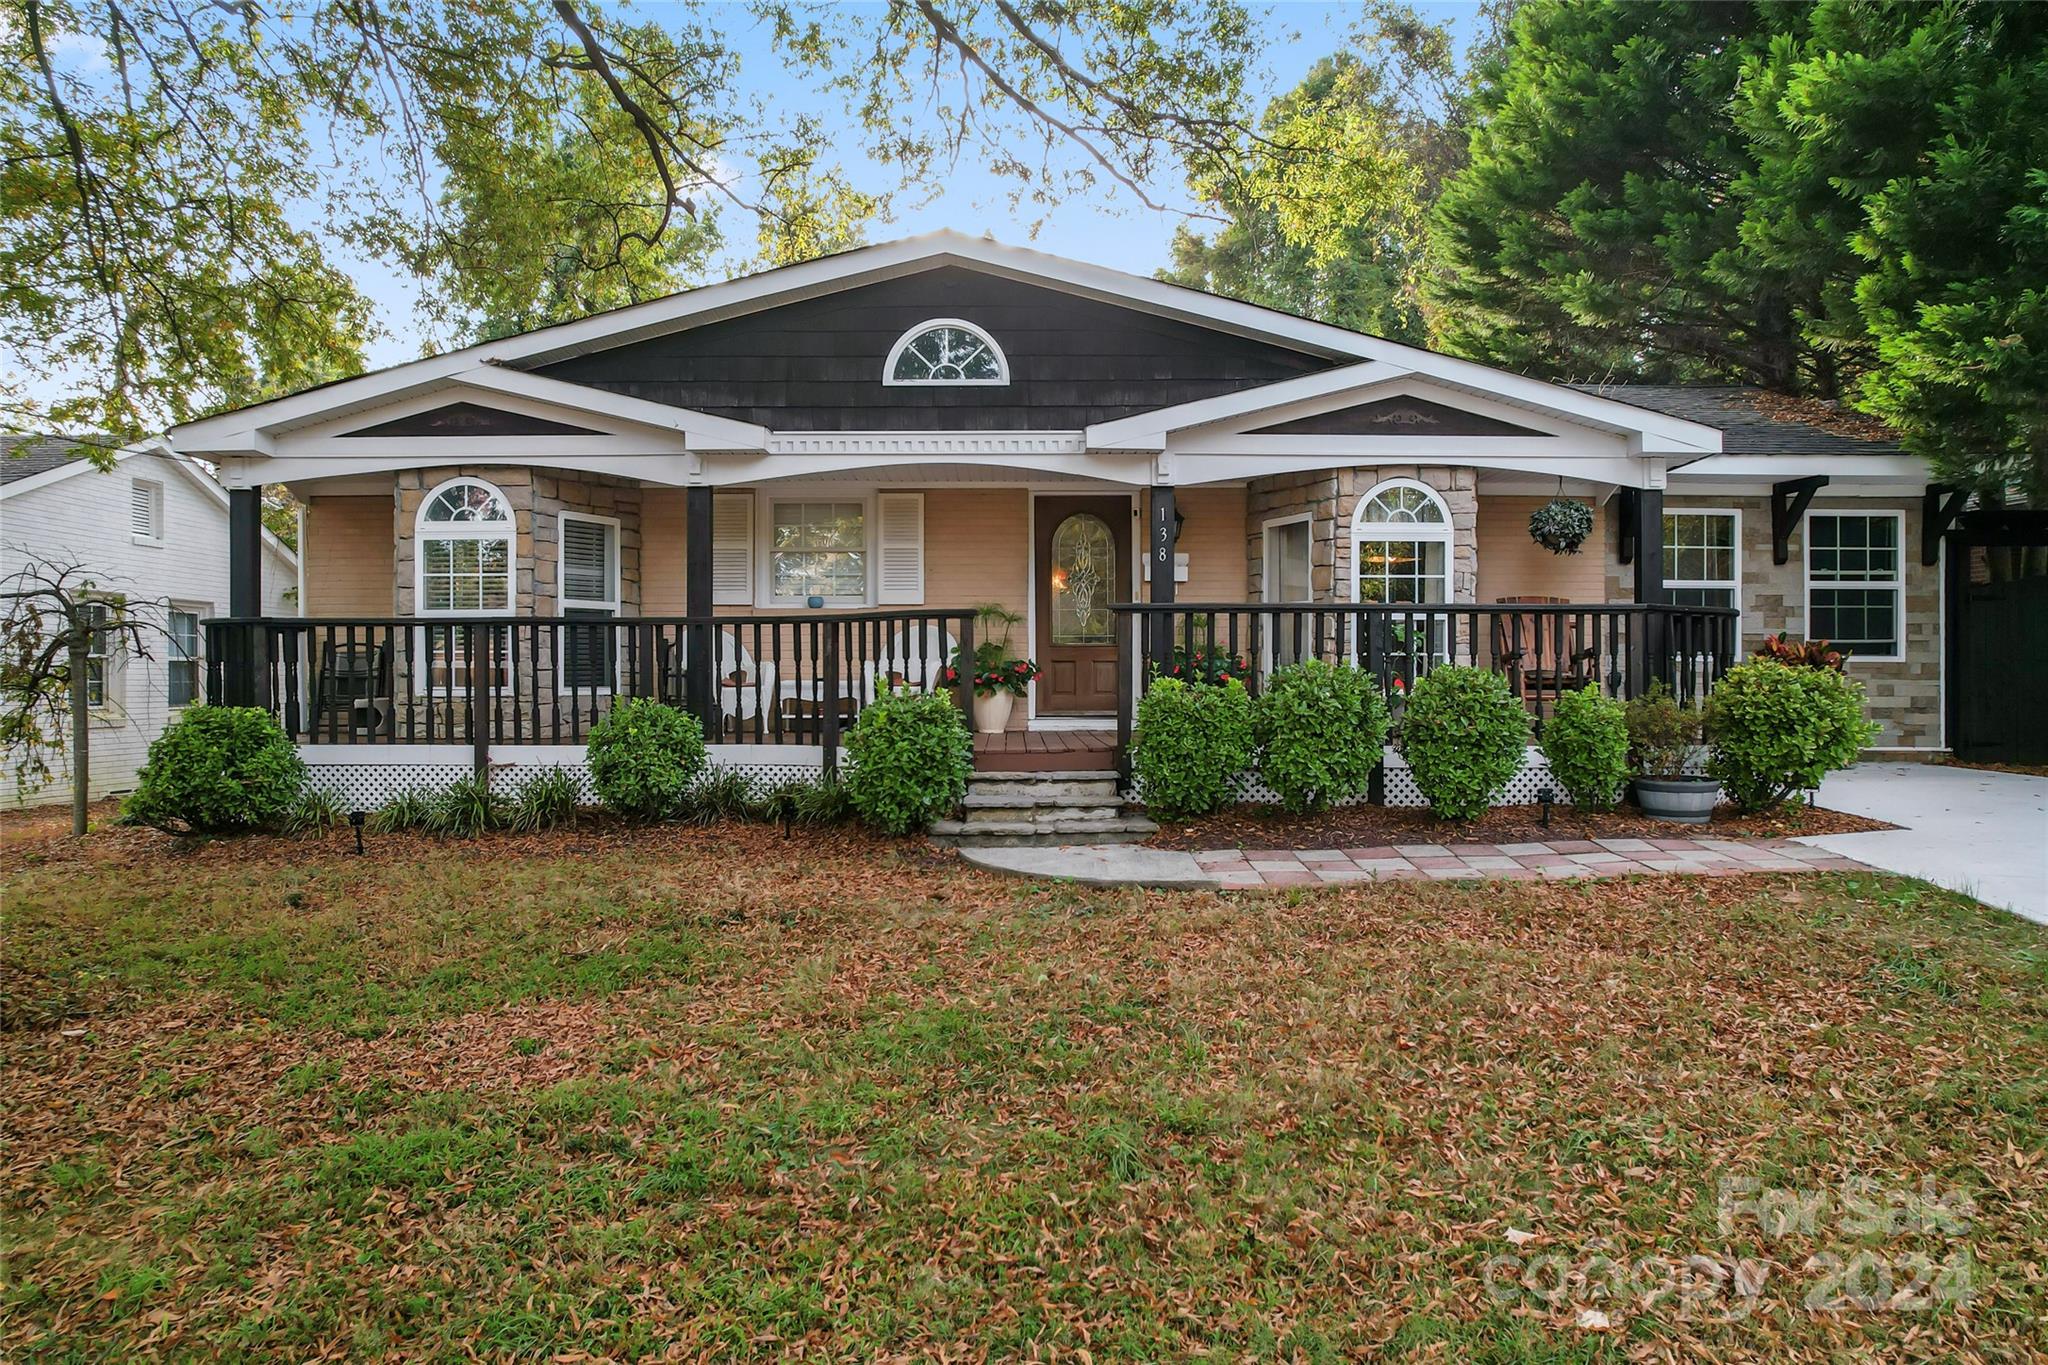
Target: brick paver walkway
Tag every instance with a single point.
(1516, 862)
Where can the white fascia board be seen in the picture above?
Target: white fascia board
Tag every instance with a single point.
(676, 470)
(1620, 469)
(1432, 450)
(1149, 430)
(1133, 468)
(1774, 468)
(700, 430)
(82, 465)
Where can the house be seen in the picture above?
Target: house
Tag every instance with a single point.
(757, 497)
(151, 532)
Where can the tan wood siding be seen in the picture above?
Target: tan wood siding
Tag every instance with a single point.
(1213, 540)
(348, 556)
(662, 519)
(1513, 565)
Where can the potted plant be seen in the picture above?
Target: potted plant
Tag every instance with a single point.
(1664, 740)
(999, 676)
(1561, 525)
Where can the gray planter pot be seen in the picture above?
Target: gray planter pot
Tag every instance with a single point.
(1685, 800)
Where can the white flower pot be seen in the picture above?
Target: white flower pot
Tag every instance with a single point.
(992, 712)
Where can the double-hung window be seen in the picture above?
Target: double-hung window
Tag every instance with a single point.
(1702, 558)
(99, 654)
(818, 549)
(589, 589)
(183, 657)
(1854, 590)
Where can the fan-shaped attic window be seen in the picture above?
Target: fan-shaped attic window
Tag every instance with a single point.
(946, 351)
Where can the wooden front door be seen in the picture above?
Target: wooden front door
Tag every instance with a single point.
(1084, 564)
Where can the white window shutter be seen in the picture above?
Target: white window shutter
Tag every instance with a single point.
(586, 562)
(143, 514)
(899, 576)
(732, 549)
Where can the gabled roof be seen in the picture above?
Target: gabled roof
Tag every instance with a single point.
(503, 363)
(61, 458)
(22, 456)
(1757, 421)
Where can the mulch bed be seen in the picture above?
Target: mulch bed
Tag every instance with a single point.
(1376, 826)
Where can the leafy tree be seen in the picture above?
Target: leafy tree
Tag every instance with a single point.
(1915, 137)
(1595, 229)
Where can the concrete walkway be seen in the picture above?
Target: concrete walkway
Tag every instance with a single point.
(1127, 865)
(1981, 833)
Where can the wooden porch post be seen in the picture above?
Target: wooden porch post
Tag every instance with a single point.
(1646, 530)
(1161, 534)
(243, 683)
(700, 689)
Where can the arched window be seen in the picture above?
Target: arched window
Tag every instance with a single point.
(462, 550)
(946, 351)
(1401, 544)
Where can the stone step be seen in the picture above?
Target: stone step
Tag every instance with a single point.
(1074, 788)
(1015, 833)
(1054, 817)
(978, 799)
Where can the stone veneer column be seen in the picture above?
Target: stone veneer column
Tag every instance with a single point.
(1331, 496)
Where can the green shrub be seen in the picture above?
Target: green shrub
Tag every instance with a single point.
(722, 794)
(1773, 730)
(1586, 743)
(1192, 741)
(1320, 730)
(643, 758)
(1662, 734)
(799, 801)
(217, 770)
(466, 808)
(1464, 735)
(411, 809)
(543, 801)
(316, 812)
(908, 757)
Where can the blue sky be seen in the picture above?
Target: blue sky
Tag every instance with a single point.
(1108, 228)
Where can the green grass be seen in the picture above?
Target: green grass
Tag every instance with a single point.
(728, 1093)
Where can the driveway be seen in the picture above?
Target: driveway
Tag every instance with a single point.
(1982, 833)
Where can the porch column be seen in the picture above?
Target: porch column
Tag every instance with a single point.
(700, 659)
(1161, 534)
(241, 681)
(1647, 525)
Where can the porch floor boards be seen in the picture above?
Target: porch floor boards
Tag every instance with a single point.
(1046, 751)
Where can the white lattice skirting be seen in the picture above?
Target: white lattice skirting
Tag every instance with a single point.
(1524, 789)
(365, 776)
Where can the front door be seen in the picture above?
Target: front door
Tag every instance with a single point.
(1084, 564)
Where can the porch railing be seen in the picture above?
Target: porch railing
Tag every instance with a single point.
(1543, 648)
(483, 681)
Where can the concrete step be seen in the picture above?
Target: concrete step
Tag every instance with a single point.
(1020, 834)
(1042, 818)
(979, 799)
(1102, 788)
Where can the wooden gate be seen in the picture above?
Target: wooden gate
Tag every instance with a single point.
(1998, 637)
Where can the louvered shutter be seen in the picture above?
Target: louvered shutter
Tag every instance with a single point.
(899, 549)
(586, 562)
(142, 509)
(732, 549)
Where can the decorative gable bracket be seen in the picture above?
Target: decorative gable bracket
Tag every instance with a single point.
(1789, 501)
(1939, 508)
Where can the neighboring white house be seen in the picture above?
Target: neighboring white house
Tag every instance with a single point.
(152, 529)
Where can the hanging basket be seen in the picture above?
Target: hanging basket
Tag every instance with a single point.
(1561, 525)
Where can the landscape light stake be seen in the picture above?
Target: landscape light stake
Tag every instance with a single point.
(355, 822)
(1546, 796)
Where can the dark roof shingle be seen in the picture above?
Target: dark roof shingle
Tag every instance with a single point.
(1755, 421)
(22, 456)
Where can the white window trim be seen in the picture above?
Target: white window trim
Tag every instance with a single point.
(156, 512)
(1444, 533)
(889, 379)
(507, 531)
(1736, 514)
(563, 604)
(203, 611)
(764, 543)
(113, 702)
(1266, 547)
(1896, 585)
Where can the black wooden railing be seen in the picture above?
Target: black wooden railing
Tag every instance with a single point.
(480, 681)
(1543, 648)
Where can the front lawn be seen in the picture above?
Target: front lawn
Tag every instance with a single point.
(719, 1092)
